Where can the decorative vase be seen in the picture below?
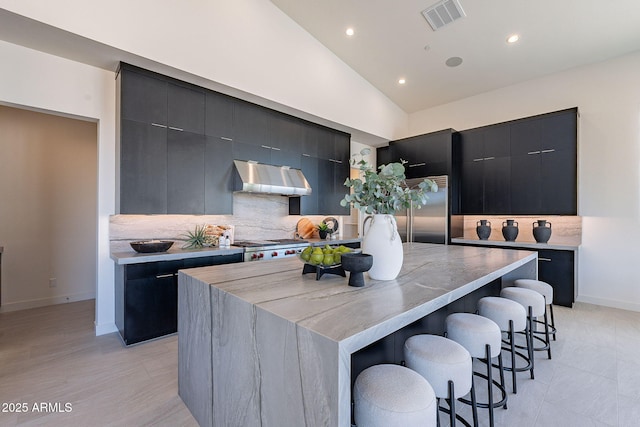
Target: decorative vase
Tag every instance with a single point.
(382, 241)
(541, 232)
(510, 230)
(483, 229)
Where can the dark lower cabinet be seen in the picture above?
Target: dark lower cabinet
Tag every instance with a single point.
(147, 296)
(557, 269)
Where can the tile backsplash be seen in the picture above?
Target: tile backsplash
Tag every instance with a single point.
(255, 217)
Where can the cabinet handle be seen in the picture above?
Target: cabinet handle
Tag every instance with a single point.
(544, 259)
(158, 125)
(534, 152)
(478, 160)
(306, 155)
(224, 138)
(175, 128)
(417, 164)
(275, 148)
(265, 146)
(548, 151)
(489, 158)
(164, 276)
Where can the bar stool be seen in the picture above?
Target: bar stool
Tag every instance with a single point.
(534, 303)
(483, 340)
(510, 317)
(393, 396)
(447, 366)
(546, 290)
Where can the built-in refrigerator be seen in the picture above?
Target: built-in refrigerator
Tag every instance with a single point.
(429, 223)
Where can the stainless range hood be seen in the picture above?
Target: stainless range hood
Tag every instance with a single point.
(255, 177)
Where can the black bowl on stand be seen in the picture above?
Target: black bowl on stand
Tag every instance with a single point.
(356, 264)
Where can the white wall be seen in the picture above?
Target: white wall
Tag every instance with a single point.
(48, 172)
(608, 97)
(44, 82)
(248, 45)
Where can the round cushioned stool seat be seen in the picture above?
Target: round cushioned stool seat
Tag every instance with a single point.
(501, 311)
(440, 360)
(393, 396)
(543, 288)
(474, 332)
(527, 298)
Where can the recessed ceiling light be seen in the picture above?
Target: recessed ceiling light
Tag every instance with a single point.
(513, 38)
(402, 81)
(454, 61)
(350, 32)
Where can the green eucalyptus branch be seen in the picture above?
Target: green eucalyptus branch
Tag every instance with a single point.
(384, 191)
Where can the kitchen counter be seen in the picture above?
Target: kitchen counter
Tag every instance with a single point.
(266, 345)
(567, 245)
(174, 253)
(123, 257)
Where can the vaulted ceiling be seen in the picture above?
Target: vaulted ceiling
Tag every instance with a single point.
(392, 41)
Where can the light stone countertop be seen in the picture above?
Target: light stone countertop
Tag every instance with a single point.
(122, 257)
(555, 244)
(279, 343)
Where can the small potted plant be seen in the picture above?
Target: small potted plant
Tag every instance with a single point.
(323, 229)
(382, 193)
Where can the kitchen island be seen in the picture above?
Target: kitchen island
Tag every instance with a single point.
(264, 345)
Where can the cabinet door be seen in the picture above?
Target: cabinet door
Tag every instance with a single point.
(281, 157)
(150, 308)
(185, 109)
(143, 168)
(558, 183)
(185, 173)
(434, 152)
(309, 167)
(287, 133)
(497, 185)
(218, 176)
(496, 141)
(219, 116)
(472, 188)
(525, 184)
(526, 137)
(143, 98)
(383, 156)
(340, 175)
(311, 140)
(250, 152)
(557, 269)
(325, 186)
(250, 124)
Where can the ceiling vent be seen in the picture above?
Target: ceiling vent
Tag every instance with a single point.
(443, 13)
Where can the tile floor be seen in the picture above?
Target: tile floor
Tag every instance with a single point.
(51, 355)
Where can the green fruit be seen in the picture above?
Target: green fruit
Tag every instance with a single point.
(337, 257)
(307, 250)
(317, 250)
(328, 259)
(305, 255)
(316, 258)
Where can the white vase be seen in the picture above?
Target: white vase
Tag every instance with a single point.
(382, 241)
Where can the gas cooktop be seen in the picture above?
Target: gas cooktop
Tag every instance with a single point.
(264, 243)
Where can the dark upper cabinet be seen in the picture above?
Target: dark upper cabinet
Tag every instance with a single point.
(219, 121)
(143, 98)
(143, 168)
(178, 142)
(185, 172)
(485, 170)
(218, 176)
(186, 109)
(544, 164)
(384, 156)
(251, 124)
(527, 166)
(426, 155)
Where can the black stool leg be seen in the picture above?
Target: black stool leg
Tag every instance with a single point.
(452, 405)
(501, 368)
(512, 337)
(553, 322)
(530, 338)
(490, 384)
(546, 333)
(474, 406)
(438, 412)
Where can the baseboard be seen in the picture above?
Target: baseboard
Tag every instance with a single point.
(623, 305)
(43, 302)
